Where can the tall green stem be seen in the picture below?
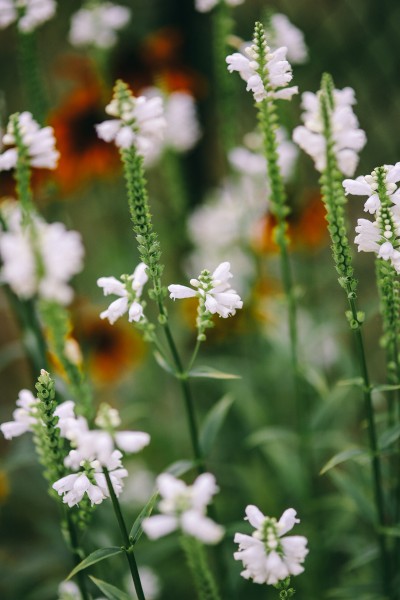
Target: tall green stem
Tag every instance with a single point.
(197, 562)
(77, 558)
(31, 76)
(128, 547)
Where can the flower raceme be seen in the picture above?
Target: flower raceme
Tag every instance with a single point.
(139, 121)
(39, 143)
(213, 290)
(129, 288)
(348, 139)
(25, 416)
(96, 25)
(267, 73)
(268, 555)
(184, 507)
(29, 14)
(382, 235)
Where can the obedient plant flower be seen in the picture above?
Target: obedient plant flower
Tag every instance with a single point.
(213, 290)
(207, 5)
(283, 33)
(25, 416)
(268, 555)
(40, 264)
(96, 25)
(139, 121)
(29, 14)
(348, 140)
(184, 507)
(267, 74)
(129, 288)
(381, 236)
(38, 142)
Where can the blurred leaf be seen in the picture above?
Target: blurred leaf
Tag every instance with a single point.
(356, 381)
(271, 434)
(342, 457)
(213, 423)
(137, 530)
(385, 387)
(111, 592)
(389, 436)
(95, 557)
(180, 467)
(315, 379)
(163, 363)
(354, 490)
(390, 531)
(211, 373)
(363, 558)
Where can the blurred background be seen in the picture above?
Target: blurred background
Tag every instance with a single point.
(260, 456)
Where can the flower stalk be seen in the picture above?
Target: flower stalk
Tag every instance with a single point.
(202, 576)
(30, 75)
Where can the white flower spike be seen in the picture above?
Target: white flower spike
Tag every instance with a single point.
(130, 289)
(25, 416)
(29, 14)
(97, 25)
(268, 556)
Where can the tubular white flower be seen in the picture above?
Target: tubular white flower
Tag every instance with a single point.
(39, 142)
(28, 13)
(129, 289)
(277, 72)
(97, 25)
(25, 416)
(284, 33)
(267, 556)
(213, 289)
(207, 5)
(348, 139)
(139, 122)
(41, 264)
(184, 508)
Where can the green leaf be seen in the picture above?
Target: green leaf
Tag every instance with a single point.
(163, 363)
(268, 435)
(385, 387)
(342, 457)
(390, 531)
(94, 558)
(389, 436)
(180, 467)
(110, 591)
(356, 381)
(211, 373)
(137, 530)
(213, 423)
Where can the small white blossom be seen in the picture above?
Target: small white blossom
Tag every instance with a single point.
(207, 5)
(267, 555)
(129, 290)
(25, 416)
(140, 122)
(284, 33)
(277, 72)
(40, 259)
(184, 507)
(28, 13)
(97, 25)
(348, 139)
(215, 291)
(39, 142)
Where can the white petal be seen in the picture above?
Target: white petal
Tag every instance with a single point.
(159, 525)
(254, 516)
(201, 527)
(132, 441)
(181, 291)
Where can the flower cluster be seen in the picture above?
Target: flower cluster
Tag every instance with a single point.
(348, 139)
(382, 235)
(40, 261)
(283, 33)
(267, 73)
(207, 5)
(96, 25)
(28, 13)
(39, 143)
(129, 288)
(25, 416)
(139, 121)
(267, 556)
(213, 290)
(184, 507)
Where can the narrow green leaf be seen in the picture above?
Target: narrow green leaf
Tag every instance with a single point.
(390, 531)
(163, 363)
(110, 591)
(385, 387)
(342, 457)
(213, 423)
(180, 467)
(211, 373)
(389, 436)
(267, 435)
(356, 381)
(137, 530)
(94, 558)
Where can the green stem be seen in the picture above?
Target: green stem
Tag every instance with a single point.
(173, 173)
(128, 547)
(197, 562)
(76, 554)
(31, 76)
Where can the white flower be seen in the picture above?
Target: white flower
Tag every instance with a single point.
(214, 290)
(40, 259)
(129, 290)
(97, 25)
(367, 186)
(29, 13)
(25, 416)
(348, 139)
(277, 72)
(39, 142)
(140, 123)
(267, 556)
(284, 33)
(207, 5)
(184, 507)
